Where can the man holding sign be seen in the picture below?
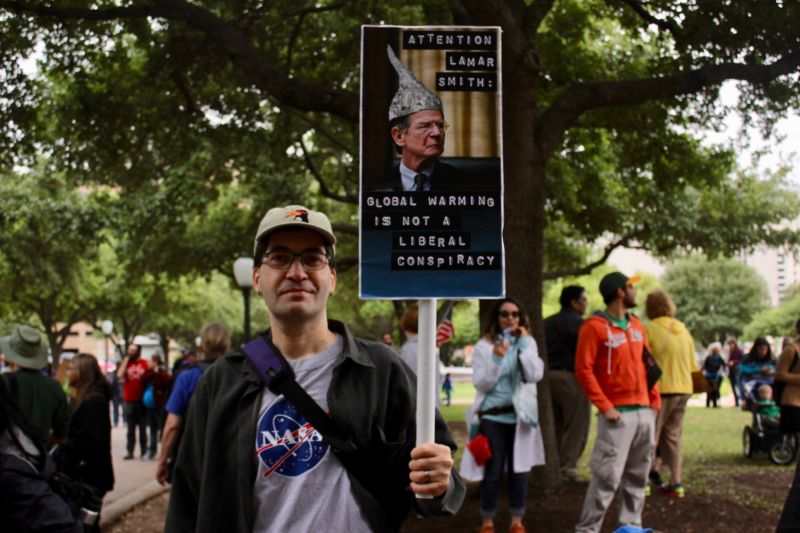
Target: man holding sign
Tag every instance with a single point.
(251, 459)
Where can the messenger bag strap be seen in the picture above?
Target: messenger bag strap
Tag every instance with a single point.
(277, 375)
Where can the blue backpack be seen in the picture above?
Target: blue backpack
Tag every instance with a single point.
(149, 398)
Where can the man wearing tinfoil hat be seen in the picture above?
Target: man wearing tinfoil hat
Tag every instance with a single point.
(254, 455)
(416, 121)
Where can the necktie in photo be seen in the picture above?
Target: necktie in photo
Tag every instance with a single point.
(421, 182)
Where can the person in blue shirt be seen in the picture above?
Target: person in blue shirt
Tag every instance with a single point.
(447, 388)
(759, 364)
(214, 343)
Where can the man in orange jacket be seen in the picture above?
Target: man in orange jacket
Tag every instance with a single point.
(609, 366)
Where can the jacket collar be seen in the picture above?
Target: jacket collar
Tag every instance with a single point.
(349, 348)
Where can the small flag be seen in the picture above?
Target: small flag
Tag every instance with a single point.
(446, 330)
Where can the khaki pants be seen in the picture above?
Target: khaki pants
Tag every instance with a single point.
(572, 411)
(669, 428)
(620, 459)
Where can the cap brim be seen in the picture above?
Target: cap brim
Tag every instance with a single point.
(37, 362)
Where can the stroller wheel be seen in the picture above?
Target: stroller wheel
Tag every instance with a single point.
(783, 451)
(747, 442)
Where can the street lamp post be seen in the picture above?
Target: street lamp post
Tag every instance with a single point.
(107, 327)
(243, 272)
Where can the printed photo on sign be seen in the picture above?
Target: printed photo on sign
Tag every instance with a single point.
(431, 163)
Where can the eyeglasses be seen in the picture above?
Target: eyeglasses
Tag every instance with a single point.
(506, 314)
(425, 127)
(284, 260)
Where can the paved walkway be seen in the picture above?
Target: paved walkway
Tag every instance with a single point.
(135, 480)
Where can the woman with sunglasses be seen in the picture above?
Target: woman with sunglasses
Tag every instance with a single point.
(505, 356)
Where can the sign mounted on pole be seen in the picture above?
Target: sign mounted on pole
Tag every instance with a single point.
(431, 214)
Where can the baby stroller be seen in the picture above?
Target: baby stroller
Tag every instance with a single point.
(764, 434)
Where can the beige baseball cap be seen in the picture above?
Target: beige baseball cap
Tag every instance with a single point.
(294, 216)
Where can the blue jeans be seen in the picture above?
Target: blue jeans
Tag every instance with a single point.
(501, 441)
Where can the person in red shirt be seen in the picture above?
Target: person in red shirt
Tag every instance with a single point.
(610, 368)
(133, 372)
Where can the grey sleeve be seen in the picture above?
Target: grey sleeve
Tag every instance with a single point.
(448, 503)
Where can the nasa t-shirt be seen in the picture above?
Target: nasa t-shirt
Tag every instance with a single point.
(301, 485)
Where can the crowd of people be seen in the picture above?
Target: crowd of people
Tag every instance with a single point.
(308, 412)
(55, 427)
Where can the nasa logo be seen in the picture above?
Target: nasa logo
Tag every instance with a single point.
(286, 442)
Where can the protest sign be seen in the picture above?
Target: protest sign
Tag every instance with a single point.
(431, 212)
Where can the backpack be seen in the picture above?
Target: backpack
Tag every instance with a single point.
(779, 386)
(149, 398)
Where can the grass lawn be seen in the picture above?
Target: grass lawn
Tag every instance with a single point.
(713, 463)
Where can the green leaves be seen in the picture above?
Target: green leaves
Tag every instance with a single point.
(715, 298)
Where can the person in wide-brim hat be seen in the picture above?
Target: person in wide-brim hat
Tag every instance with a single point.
(25, 348)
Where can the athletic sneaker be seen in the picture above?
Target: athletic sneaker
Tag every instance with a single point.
(674, 490)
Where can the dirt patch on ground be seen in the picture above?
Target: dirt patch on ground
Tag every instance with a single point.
(558, 511)
(555, 512)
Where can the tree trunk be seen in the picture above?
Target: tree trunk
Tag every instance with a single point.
(524, 228)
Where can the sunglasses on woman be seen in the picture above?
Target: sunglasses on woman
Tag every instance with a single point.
(506, 314)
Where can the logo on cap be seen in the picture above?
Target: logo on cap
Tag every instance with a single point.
(298, 214)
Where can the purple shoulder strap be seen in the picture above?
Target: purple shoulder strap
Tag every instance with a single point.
(266, 360)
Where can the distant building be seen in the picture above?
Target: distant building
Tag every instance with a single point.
(84, 338)
(778, 266)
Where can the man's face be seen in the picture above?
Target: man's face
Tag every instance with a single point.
(424, 139)
(133, 351)
(296, 293)
(580, 304)
(629, 298)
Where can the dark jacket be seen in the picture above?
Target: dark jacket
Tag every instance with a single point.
(87, 454)
(43, 401)
(443, 178)
(27, 503)
(561, 335)
(371, 396)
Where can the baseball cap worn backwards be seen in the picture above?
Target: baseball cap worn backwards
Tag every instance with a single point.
(294, 216)
(25, 348)
(613, 281)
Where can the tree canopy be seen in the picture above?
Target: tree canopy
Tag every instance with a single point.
(715, 298)
(202, 115)
(777, 321)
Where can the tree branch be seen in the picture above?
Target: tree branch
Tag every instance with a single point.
(323, 187)
(70, 13)
(301, 16)
(536, 14)
(586, 269)
(663, 25)
(272, 81)
(348, 229)
(510, 15)
(579, 99)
